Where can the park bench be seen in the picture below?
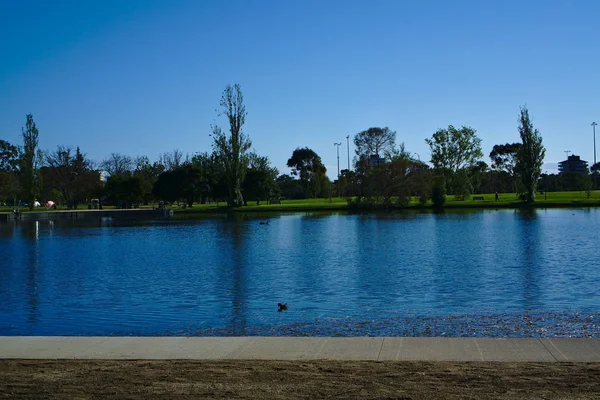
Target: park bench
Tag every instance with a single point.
(478, 198)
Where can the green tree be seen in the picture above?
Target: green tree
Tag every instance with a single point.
(390, 180)
(172, 160)
(453, 150)
(438, 191)
(462, 184)
(531, 155)
(149, 173)
(9, 156)
(9, 186)
(260, 179)
(375, 141)
(30, 162)
(504, 158)
(307, 164)
(232, 150)
(289, 187)
(124, 190)
(181, 183)
(479, 172)
(9, 161)
(65, 171)
(118, 164)
(212, 181)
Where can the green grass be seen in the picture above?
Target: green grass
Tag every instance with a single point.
(286, 205)
(507, 200)
(552, 199)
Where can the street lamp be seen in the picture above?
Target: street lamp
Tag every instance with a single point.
(348, 144)
(337, 145)
(338, 156)
(595, 172)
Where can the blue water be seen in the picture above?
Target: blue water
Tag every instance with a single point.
(483, 273)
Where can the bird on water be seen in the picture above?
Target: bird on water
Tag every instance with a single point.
(281, 307)
(264, 223)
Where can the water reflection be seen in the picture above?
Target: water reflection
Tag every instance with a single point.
(236, 230)
(229, 272)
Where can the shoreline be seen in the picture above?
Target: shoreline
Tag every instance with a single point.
(179, 213)
(298, 206)
(349, 208)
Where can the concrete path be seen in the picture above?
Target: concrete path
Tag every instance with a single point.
(296, 348)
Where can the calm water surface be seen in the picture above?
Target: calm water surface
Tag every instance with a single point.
(486, 273)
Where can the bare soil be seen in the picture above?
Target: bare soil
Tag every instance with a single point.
(296, 379)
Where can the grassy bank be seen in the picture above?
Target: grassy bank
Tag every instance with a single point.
(506, 200)
(510, 200)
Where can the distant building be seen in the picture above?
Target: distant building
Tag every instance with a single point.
(375, 160)
(573, 164)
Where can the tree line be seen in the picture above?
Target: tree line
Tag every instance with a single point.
(384, 175)
(387, 175)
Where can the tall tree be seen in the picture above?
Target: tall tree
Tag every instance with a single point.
(117, 164)
(65, 170)
(212, 182)
(124, 190)
(375, 141)
(289, 187)
(171, 160)
(260, 178)
(504, 158)
(307, 164)
(30, 162)
(232, 149)
(149, 173)
(9, 161)
(531, 155)
(454, 150)
(182, 183)
(9, 156)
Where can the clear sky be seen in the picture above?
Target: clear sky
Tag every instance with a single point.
(142, 77)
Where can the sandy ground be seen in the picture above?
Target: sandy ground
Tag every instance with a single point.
(296, 379)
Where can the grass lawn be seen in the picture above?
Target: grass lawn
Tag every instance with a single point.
(550, 199)
(286, 205)
(506, 200)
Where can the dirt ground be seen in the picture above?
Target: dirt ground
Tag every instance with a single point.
(296, 379)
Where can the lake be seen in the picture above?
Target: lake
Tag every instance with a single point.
(493, 273)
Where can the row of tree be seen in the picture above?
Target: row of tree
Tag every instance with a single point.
(231, 172)
(388, 175)
(384, 173)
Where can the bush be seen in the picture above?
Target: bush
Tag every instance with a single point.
(438, 192)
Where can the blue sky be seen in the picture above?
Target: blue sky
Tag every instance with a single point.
(145, 77)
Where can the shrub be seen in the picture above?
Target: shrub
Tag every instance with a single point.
(438, 192)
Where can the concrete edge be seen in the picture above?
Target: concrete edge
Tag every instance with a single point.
(302, 348)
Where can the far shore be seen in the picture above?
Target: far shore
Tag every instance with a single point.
(478, 201)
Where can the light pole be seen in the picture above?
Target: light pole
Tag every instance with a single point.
(348, 145)
(337, 145)
(595, 172)
(338, 156)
